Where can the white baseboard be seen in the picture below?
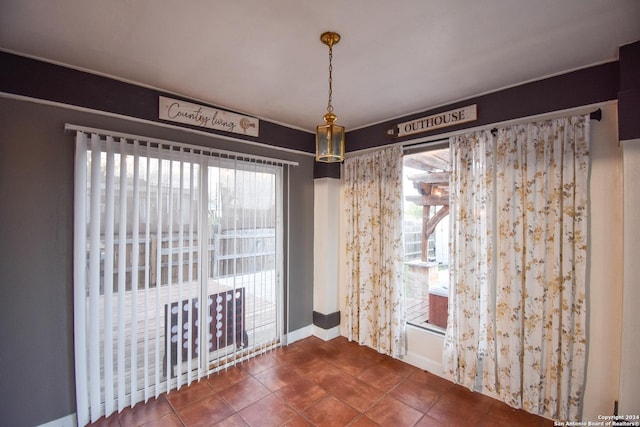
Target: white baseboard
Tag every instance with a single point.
(68, 421)
(326, 334)
(419, 361)
(299, 334)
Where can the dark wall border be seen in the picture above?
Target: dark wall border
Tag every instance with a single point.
(583, 87)
(326, 170)
(611, 81)
(629, 95)
(43, 80)
(326, 321)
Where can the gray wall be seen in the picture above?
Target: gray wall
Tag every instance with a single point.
(36, 251)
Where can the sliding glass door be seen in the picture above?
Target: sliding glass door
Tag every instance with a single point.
(178, 266)
(244, 254)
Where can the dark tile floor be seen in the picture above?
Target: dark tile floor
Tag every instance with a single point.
(334, 383)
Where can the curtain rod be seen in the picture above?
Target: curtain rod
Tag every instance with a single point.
(594, 115)
(431, 140)
(433, 144)
(102, 132)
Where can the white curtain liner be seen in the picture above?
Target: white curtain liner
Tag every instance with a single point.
(205, 150)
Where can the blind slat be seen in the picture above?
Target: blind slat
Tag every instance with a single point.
(159, 276)
(190, 266)
(108, 279)
(203, 267)
(79, 278)
(180, 271)
(122, 257)
(135, 257)
(169, 330)
(94, 282)
(147, 277)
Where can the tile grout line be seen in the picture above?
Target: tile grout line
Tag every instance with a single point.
(345, 365)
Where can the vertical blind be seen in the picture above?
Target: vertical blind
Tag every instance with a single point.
(174, 246)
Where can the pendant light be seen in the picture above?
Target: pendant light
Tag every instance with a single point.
(330, 137)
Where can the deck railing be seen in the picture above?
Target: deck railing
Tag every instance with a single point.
(231, 253)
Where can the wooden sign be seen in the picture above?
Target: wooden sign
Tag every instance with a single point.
(440, 120)
(198, 115)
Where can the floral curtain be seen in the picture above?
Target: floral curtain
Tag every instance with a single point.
(518, 277)
(374, 303)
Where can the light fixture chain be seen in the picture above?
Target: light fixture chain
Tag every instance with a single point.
(329, 106)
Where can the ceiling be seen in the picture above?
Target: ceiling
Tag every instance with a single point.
(265, 58)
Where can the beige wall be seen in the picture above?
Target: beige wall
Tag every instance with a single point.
(326, 193)
(604, 290)
(630, 364)
(605, 278)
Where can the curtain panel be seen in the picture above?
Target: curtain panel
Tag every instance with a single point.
(374, 303)
(518, 277)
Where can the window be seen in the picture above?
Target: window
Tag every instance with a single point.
(426, 228)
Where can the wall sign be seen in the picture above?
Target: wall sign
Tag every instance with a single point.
(437, 121)
(178, 111)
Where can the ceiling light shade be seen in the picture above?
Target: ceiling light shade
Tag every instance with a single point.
(329, 141)
(329, 136)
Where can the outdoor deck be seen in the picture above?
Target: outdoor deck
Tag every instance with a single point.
(260, 312)
(418, 313)
(261, 322)
(417, 310)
